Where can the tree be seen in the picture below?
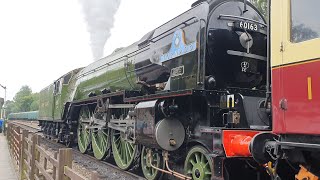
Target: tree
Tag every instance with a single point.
(301, 33)
(262, 6)
(35, 103)
(1, 102)
(10, 107)
(23, 99)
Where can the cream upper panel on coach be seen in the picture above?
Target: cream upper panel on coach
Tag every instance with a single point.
(295, 31)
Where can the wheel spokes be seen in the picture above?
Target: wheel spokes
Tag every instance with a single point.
(83, 138)
(198, 164)
(156, 160)
(100, 143)
(192, 162)
(83, 132)
(124, 152)
(197, 157)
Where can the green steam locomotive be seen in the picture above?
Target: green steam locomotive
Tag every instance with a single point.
(177, 102)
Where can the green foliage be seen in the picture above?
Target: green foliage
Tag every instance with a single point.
(35, 104)
(262, 6)
(23, 101)
(10, 107)
(1, 102)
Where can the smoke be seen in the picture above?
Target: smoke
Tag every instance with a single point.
(99, 15)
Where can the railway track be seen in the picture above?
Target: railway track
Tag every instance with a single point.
(106, 170)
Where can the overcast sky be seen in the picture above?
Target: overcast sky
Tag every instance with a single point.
(40, 40)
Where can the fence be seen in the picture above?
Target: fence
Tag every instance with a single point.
(26, 151)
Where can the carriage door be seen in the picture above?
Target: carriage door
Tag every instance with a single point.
(300, 49)
(57, 109)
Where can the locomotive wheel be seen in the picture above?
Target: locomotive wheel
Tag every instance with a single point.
(83, 132)
(83, 138)
(198, 164)
(100, 143)
(124, 152)
(156, 160)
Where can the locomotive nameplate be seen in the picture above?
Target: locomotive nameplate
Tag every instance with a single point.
(246, 25)
(178, 46)
(178, 71)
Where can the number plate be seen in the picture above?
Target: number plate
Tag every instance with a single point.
(178, 71)
(247, 26)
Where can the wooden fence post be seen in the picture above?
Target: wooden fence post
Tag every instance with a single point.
(54, 171)
(17, 129)
(37, 154)
(45, 160)
(21, 151)
(10, 139)
(33, 155)
(64, 159)
(8, 134)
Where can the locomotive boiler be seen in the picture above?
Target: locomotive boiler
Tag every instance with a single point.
(184, 100)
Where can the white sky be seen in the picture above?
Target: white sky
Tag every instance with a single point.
(40, 40)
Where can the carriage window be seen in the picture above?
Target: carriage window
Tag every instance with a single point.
(305, 24)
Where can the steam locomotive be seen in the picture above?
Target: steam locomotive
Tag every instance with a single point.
(185, 100)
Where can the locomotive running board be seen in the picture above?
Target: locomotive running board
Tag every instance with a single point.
(168, 94)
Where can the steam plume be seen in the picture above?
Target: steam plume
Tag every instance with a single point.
(99, 15)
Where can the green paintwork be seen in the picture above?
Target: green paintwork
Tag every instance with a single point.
(31, 115)
(46, 103)
(100, 143)
(124, 152)
(114, 77)
(157, 161)
(52, 102)
(198, 164)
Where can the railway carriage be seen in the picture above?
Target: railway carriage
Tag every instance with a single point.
(28, 116)
(295, 53)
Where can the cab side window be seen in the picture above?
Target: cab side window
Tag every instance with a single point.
(305, 23)
(67, 78)
(57, 87)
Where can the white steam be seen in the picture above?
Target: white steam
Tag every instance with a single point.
(99, 15)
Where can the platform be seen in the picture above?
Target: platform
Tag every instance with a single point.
(7, 171)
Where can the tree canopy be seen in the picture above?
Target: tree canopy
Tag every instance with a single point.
(262, 6)
(23, 101)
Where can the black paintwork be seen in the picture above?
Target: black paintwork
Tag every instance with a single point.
(221, 38)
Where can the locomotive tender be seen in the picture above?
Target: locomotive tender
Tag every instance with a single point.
(185, 100)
